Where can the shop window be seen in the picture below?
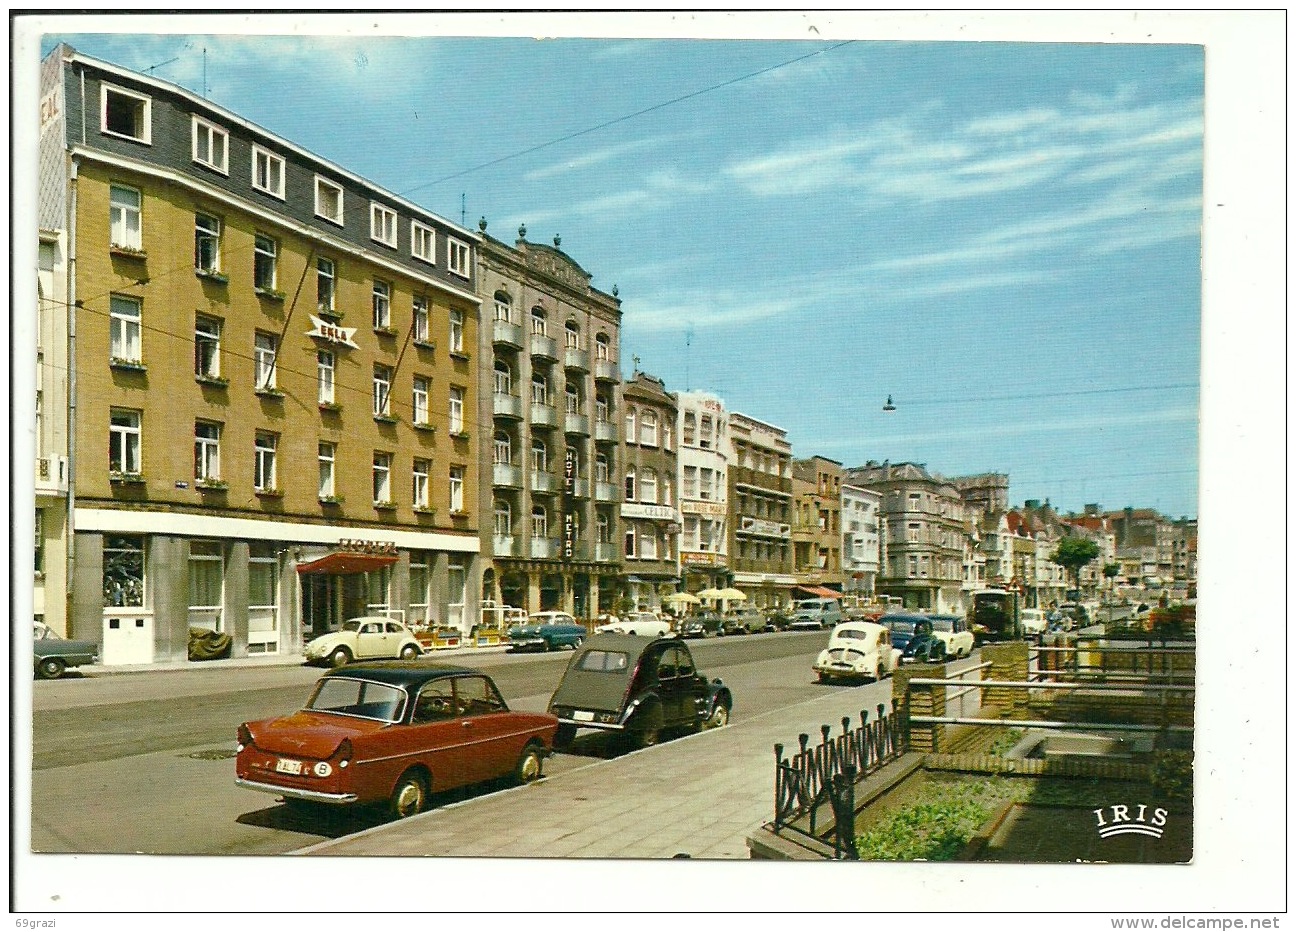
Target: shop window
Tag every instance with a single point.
(263, 599)
(420, 584)
(206, 584)
(123, 572)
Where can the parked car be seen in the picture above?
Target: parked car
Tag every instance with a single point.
(744, 621)
(902, 626)
(643, 624)
(393, 733)
(547, 631)
(703, 624)
(954, 631)
(924, 645)
(777, 619)
(638, 688)
(816, 613)
(1033, 622)
(368, 638)
(857, 650)
(52, 655)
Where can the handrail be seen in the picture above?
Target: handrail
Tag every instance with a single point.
(1051, 684)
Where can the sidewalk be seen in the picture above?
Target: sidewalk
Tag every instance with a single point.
(700, 795)
(295, 659)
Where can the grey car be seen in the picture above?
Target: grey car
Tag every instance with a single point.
(53, 654)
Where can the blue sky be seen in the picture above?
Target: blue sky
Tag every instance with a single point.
(1004, 237)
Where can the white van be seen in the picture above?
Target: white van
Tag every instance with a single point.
(1033, 622)
(816, 613)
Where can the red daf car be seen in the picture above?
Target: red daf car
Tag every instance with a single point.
(393, 733)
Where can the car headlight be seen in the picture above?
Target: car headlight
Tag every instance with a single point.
(323, 769)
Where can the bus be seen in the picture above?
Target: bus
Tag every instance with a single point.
(996, 615)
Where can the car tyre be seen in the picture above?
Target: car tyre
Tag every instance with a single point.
(529, 765)
(409, 797)
(51, 668)
(340, 657)
(576, 644)
(564, 737)
(648, 731)
(409, 652)
(719, 716)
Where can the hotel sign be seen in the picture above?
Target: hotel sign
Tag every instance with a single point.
(765, 528)
(714, 509)
(332, 332)
(383, 547)
(701, 559)
(569, 505)
(651, 512)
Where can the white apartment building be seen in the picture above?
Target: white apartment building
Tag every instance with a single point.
(703, 496)
(861, 551)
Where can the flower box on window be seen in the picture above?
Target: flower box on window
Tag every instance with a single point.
(127, 252)
(272, 393)
(269, 493)
(271, 294)
(129, 365)
(385, 506)
(126, 478)
(218, 278)
(327, 500)
(386, 419)
(324, 310)
(459, 434)
(330, 407)
(385, 331)
(459, 354)
(459, 515)
(215, 381)
(424, 510)
(211, 485)
(425, 427)
(425, 344)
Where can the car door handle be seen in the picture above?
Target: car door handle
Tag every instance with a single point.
(467, 724)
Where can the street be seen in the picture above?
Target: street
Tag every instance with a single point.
(158, 747)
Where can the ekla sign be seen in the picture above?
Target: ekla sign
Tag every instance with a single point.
(332, 333)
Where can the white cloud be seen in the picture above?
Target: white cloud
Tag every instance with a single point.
(707, 309)
(594, 157)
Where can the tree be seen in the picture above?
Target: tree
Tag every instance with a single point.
(1074, 553)
(1111, 571)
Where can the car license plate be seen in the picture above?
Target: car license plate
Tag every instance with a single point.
(288, 766)
(582, 716)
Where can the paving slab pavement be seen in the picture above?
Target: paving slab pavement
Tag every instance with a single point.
(699, 795)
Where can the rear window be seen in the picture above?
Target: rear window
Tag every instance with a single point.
(360, 698)
(603, 661)
(943, 624)
(851, 634)
(900, 627)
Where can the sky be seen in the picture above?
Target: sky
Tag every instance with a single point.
(1004, 238)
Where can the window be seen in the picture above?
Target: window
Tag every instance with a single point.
(456, 410)
(503, 449)
(419, 489)
(503, 307)
(648, 429)
(124, 218)
(263, 599)
(328, 200)
(206, 451)
(690, 429)
(573, 399)
(267, 172)
(665, 496)
(327, 460)
(207, 334)
(630, 549)
(421, 388)
(503, 518)
(539, 522)
(210, 145)
(456, 331)
(325, 368)
(422, 242)
(602, 348)
(539, 456)
(503, 378)
(705, 434)
(382, 379)
(206, 584)
(601, 409)
(456, 488)
(602, 468)
(539, 390)
(382, 478)
(631, 419)
(571, 335)
(381, 305)
(39, 541)
(603, 525)
(668, 439)
(263, 476)
(457, 257)
(648, 487)
(647, 544)
(325, 284)
(265, 262)
(123, 572)
(382, 225)
(264, 356)
(207, 231)
(630, 484)
(126, 113)
(420, 578)
(538, 321)
(690, 482)
(420, 317)
(707, 484)
(124, 436)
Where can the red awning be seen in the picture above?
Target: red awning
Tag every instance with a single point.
(821, 592)
(344, 562)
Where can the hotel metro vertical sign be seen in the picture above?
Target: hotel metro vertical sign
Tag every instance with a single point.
(569, 505)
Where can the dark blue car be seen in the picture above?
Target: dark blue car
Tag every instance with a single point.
(547, 631)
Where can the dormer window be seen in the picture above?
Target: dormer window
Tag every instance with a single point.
(126, 113)
(210, 145)
(382, 225)
(328, 200)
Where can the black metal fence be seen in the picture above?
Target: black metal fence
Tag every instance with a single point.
(818, 783)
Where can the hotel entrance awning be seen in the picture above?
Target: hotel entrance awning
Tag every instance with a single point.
(820, 592)
(344, 563)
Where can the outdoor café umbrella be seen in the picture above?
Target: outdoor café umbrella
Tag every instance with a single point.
(683, 597)
(733, 595)
(710, 594)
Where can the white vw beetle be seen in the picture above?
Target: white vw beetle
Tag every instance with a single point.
(364, 639)
(857, 650)
(644, 624)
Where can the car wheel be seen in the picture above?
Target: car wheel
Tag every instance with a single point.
(648, 731)
(409, 797)
(577, 643)
(564, 737)
(719, 716)
(548, 646)
(51, 668)
(340, 657)
(822, 677)
(409, 652)
(529, 765)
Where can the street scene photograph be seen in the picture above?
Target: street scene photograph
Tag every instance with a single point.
(662, 450)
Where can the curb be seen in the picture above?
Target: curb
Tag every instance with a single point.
(275, 660)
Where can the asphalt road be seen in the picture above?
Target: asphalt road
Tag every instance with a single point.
(153, 751)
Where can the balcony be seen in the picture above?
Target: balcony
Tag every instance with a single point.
(507, 546)
(580, 488)
(509, 406)
(543, 415)
(606, 370)
(605, 492)
(577, 359)
(545, 548)
(543, 481)
(576, 424)
(605, 431)
(544, 347)
(51, 475)
(505, 476)
(605, 553)
(507, 334)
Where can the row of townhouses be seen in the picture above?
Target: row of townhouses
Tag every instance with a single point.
(272, 395)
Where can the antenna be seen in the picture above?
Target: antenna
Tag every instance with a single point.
(151, 68)
(205, 88)
(463, 210)
(688, 341)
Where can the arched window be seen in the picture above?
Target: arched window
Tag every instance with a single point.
(666, 492)
(539, 323)
(503, 449)
(648, 487)
(630, 541)
(602, 468)
(601, 408)
(503, 378)
(573, 398)
(648, 429)
(630, 484)
(539, 522)
(631, 436)
(503, 307)
(503, 518)
(539, 455)
(571, 334)
(602, 347)
(539, 390)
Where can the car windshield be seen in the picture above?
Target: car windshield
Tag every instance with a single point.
(339, 695)
(350, 626)
(901, 627)
(604, 661)
(943, 624)
(42, 631)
